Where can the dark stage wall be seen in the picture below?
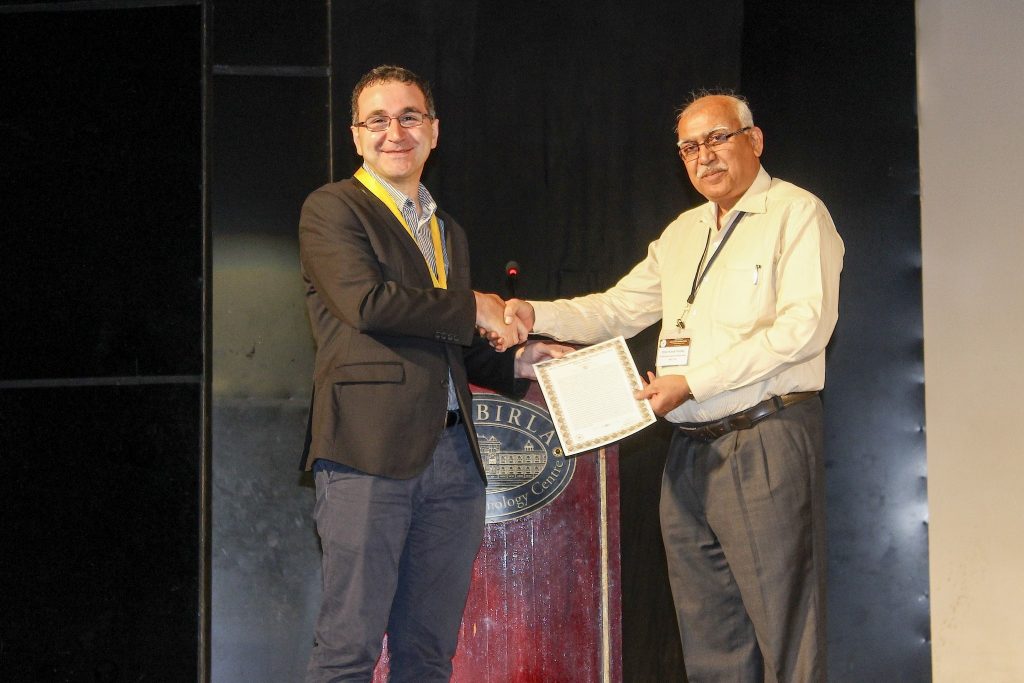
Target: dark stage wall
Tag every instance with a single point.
(101, 374)
(556, 150)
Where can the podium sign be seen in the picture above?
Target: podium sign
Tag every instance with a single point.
(544, 604)
(525, 465)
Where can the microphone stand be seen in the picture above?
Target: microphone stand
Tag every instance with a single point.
(511, 278)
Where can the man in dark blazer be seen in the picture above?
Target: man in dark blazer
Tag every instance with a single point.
(399, 480)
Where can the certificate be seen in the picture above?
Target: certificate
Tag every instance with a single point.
(590, 396)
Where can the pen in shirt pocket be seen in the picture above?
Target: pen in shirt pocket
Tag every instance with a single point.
(757, 273)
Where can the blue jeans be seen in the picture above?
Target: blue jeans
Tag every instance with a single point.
(397, 557)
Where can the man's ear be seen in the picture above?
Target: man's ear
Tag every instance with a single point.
(756, 140)
(355, 140)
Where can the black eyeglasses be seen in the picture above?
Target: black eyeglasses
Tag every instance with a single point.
(379, 123)
(689, 150)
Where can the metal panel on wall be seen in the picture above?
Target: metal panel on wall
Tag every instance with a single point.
(268, 149)
(101, 253)
(100, 377)
(262, 33)
(100, 487)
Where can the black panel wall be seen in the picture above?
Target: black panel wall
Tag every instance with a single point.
(101, 265)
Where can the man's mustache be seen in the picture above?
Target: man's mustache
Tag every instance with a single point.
(714, 168)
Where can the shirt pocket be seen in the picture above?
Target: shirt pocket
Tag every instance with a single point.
(742, 294)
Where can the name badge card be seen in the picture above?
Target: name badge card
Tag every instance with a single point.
(673, 351)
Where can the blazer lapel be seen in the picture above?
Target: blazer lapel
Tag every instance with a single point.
(410, 249)
(455, 281)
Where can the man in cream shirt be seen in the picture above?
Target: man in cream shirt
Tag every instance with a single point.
(747, 289)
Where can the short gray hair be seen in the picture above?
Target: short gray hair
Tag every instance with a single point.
(743, 113)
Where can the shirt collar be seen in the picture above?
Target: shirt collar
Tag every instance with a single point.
(754, 200)
(404, 203)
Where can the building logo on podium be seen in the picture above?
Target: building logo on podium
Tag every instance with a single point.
(526, 468)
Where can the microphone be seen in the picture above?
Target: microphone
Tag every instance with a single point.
(512, 275)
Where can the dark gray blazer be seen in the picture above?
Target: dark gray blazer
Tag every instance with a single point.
(386, 337)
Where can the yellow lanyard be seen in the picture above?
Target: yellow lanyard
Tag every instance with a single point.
(439, 277)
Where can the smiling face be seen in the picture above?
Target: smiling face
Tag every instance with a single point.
(722, 174)
(396, 154)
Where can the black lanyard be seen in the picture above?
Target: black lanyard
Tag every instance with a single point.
(698, 275)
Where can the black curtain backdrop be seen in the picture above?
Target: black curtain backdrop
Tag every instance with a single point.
(556, 150)
(556, 143)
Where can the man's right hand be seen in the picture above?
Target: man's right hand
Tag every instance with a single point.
(490, 319)
(521, 313)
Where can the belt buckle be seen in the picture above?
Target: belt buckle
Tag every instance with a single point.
(717, 430)
(743, 421)
(706, 433)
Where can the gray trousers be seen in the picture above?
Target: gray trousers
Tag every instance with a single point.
(397, 557)
(743, 522)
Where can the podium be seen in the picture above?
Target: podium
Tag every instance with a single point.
(544, 605)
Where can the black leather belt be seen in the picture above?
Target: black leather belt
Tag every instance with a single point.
(453, 418)
(745, 419)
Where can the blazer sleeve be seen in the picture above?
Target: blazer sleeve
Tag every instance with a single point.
(486, 367)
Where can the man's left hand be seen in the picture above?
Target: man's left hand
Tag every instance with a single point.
(534, 352)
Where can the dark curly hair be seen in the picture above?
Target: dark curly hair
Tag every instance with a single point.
(387, 73)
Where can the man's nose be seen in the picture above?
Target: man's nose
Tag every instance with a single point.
(705, 153)
(395, 129)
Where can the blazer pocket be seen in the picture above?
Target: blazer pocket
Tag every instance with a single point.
(369, 373)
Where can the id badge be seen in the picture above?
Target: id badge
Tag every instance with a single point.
(673, 351)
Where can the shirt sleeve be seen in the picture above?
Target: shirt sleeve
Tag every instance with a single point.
(630, 306)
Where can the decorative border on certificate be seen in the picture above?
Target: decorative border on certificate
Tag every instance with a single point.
(590, 396)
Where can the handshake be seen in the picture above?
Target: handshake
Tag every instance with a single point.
(503, 323)
(508, 323)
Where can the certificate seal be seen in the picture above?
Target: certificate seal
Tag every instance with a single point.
(525, 465)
